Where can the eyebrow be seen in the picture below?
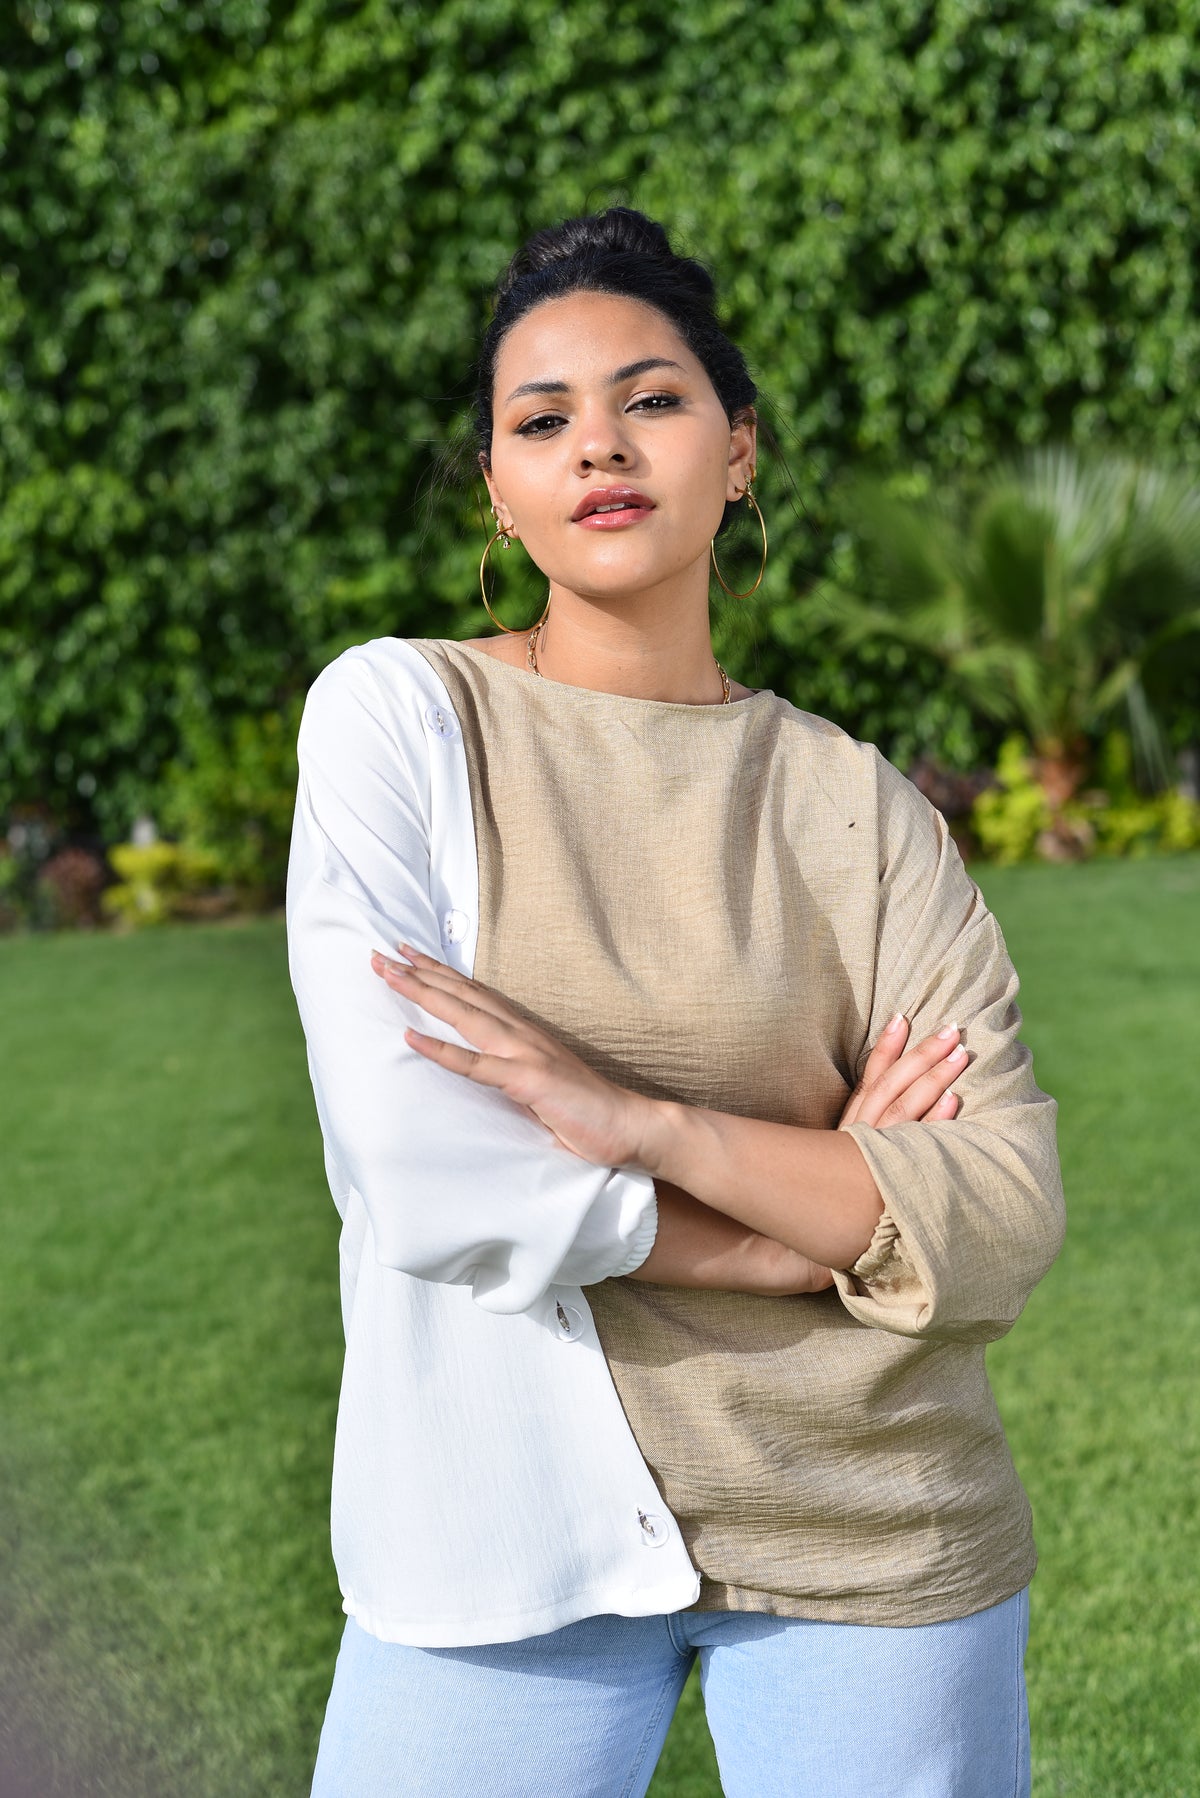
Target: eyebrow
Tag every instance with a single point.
(618, 375)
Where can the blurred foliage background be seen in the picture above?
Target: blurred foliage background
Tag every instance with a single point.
(245, 252)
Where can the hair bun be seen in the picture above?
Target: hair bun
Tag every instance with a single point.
(602, 237)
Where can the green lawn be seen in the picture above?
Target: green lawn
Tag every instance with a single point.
(170, 1343)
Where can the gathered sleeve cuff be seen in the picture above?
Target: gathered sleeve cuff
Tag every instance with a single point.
(459, 1184)
(884, 1266)
(973, 1206)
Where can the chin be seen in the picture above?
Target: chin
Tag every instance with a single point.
(621, 581)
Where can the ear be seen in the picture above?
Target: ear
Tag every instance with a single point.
(743, 452)
(500, 510)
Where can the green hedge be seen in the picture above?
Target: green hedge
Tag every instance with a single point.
(244, 249)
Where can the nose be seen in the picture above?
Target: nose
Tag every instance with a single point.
(601, 442)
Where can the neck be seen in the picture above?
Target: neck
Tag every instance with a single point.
(642, 649)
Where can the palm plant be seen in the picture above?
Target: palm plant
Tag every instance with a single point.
(1055, 595)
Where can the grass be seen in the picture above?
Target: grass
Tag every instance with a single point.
(1097, 1384)
(170, 1348)
(169, 1337)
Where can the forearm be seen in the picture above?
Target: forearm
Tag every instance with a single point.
(701, 1247)
(810, 1190)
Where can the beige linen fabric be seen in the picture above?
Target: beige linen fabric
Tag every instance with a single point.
(724, 905)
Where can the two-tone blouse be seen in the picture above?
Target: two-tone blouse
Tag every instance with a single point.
(722, 905)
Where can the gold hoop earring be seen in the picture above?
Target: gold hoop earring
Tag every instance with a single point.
(513, 630)
(748, 493)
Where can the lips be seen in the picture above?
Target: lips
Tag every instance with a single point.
(607, 507)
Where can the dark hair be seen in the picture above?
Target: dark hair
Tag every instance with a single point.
(623, 252)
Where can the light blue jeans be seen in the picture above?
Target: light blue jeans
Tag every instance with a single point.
(796, 1709)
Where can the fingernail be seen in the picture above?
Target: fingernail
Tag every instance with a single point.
(896, 1021)
(959, 1054)
(950, 1030)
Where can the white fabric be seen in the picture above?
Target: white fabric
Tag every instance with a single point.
(486, 1484)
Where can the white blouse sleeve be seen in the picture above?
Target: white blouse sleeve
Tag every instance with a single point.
(459, 1185)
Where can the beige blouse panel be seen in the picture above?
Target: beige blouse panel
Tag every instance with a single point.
(688, 896)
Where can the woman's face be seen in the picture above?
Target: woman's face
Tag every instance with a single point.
(612, 457)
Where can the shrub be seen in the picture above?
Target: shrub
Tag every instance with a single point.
(159, 881)
(246, 249)
(1015, 820)
(234, 791)
(1009, 818)
(26, 848)
(70, 883)
(1167, 822)
(1053, 589)
(10, 907)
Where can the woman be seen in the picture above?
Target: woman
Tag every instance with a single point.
(667, 1065)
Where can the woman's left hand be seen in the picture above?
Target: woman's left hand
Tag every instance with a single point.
(595, 1119)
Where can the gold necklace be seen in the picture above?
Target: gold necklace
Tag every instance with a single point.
(531, 658)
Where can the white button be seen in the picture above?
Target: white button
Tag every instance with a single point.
(442, 722)
(653, 1528)
(455, 925)
(568, 1322)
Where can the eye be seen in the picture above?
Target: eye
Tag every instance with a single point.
(542, 425)
(655, 402)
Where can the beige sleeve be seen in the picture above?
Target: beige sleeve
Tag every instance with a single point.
(973, 1207)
